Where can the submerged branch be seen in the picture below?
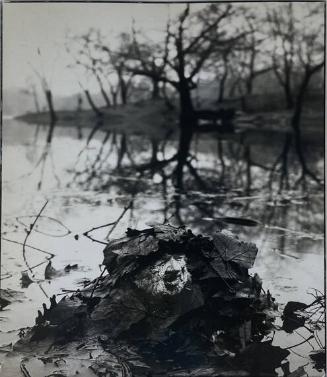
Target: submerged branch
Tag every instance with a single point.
(29, 231)
(26, 245)
(113, 224)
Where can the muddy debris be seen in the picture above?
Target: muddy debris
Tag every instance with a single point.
(172, 303)
(25, 280)
(9, 296)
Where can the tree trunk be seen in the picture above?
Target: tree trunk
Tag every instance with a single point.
(105, 97)
(288, 97)
(53, 116)
(155, 89)
(247, 157)
(249, 85)
(298, 107)
(51, 129)
(103, 92)
(114, 94)
(36, 102)
(92, 104)
(154, 157)
(123, 92)
(48, 96)
(122, 151)
(297, 130)
(122, 86)
(284, 164)
(222, 83)
(187, 125)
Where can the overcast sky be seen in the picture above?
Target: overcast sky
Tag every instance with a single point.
(27, 27)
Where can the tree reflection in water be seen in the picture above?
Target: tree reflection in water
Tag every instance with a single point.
(247, 182)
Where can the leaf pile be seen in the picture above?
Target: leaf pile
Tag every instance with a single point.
(173, 303)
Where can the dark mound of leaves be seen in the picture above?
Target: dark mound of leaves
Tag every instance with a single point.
(183, 304)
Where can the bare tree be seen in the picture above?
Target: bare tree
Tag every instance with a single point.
(148, 58)
(116, 58)
(189, 41)
(246, 61)
(189, 48)
(254, 63)
(45, 85)
(298, 55)
(31, 90)
(223, 71)
(281, 21)
(82, 49)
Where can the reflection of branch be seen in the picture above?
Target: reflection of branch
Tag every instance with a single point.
(196, 175)
(119, 218)
(113, 224)
(18, 219)
(26, 245)
(29, 231)
(98, 125)
(86, 234)
(304, 341)
(97, 282)
(159, 164)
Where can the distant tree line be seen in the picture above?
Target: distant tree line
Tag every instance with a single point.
(231, 44)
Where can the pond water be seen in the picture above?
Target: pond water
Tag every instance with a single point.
(88, 181)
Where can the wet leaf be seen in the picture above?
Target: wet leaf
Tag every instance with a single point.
(319, 359)
(25, 280)
(299, 372)
(137, 245)
(9, 296)
(6, 348)
(231, 249)
(292, 319)
(169, 233)
(71, 267)
(164, 296)
(50, 272)
(262, 357)
(239, 221)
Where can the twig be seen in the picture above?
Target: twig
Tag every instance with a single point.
(97, 281)
(119, 218)
(28, 232)
(304, 341)
(19, 220)
(93, 239)
(113, 224)
(42, 289)
(5, 276)
(297, 354)
(38, 265)
(99, 227)
(24, 370)
(26, 245)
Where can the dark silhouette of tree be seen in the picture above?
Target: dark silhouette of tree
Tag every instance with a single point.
(282, 30)
(254, 65)
(189, 41)
(245, 61)
(298, 54)
(82, 49)
(45, 86)
(116, 58)
(223, 73)
(148, 58)
(31, 90)
(192, 51)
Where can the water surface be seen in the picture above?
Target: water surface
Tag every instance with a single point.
(88, 183)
